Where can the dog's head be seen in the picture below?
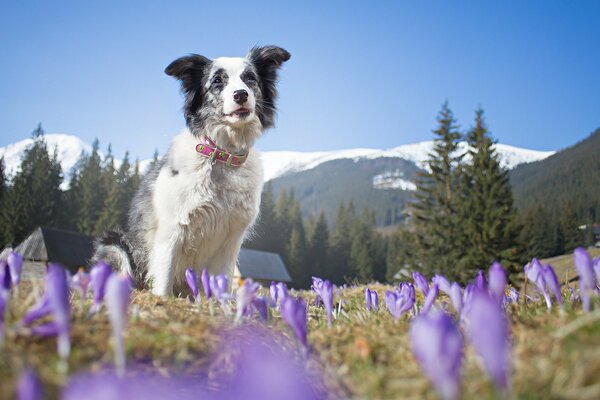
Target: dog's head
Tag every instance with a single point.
(233, 97)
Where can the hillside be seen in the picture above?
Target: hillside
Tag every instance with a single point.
(571, 175)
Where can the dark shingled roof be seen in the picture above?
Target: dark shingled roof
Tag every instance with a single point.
(45, 244)
(260, 265)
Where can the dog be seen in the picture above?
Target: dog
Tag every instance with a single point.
(198, 204)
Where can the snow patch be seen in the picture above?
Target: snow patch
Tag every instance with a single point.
(393, 180)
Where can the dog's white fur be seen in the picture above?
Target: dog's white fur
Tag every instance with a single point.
(202, 214)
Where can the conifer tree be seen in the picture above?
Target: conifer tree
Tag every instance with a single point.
(570, 234)
(110, 216)
(318, 239)
(340, 243)
(488, 218)
(34, 197)
(90, 192)
(266, 227)
(434, 212)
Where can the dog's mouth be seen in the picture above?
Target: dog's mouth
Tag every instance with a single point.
(239, 113)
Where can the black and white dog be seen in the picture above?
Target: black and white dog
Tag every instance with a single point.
(197, 205)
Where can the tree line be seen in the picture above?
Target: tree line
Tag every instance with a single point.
(97, 197)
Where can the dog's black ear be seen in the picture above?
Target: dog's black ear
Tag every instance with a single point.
(267, 61)
(189, 70)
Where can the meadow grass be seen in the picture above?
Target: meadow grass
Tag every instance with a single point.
(362, 355)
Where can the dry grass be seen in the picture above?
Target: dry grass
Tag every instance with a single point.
(363, 355)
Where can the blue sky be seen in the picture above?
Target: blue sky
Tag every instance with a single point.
(362, 74)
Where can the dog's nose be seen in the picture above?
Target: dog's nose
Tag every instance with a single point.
(240, 96)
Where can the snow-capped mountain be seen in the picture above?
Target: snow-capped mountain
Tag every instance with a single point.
(69, 148)
(276, 163)
(279, 163)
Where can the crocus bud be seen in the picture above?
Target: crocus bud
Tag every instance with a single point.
(273, 292)
(442, 282)
(421, 283)
(324, 290)
(368, 299)
(293, 312)
(587, 280)
(374, 300)
(118, 290)
(488, 332)
(29, 387)
(15, 265)
(57, 290)
(497, 282)
(205, 278)
(245, 296)
(552, 283)
(430, 299)
(192, 281)
(456, 297)
(438, 347)
(98, 277)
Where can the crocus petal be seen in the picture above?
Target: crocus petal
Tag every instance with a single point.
(497, 281)
(219, 286)
(587, 280)
(368, 299)
(374, 300)
(57, 291)
(15, 264)
(488, 332)
(260, 305)
(438, 347)
(245, 295)
(118, 290)
(192, 280)
(5, 278)
(456, 297)
(282, 291)
(421, 283)
(480, 281)
(324, 290)
(39, 310)
(552, 282)
(29, 387)
(293, 312)
(98, 277)
(442, 282)
(205, 278)
(273, 292)
(431, 296)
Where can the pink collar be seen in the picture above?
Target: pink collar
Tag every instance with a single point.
(209, 149)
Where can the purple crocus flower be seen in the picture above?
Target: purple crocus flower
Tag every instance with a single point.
(456, 297)
(260, 305)
(219, 286)
(57, 292)
(438, 347)
(371, 299)
(534, 273)
(3, 301)
(497, 282)
(401, 300)
(488, 331)
(324, 290)
(80, 282)
(118, 290)
(480, 281)
(273, 292)
(98, 276)
(368, 299)
(29, 387)
(245, 296)
(5, 279)
(442, 282)
(587, 280)
(192, 280)
(430, 299)
(421, 283)
(293, 312)
(15, 266)
(552, 282)
(205, 278)
(282, 291)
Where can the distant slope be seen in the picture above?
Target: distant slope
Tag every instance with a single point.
(572, 174)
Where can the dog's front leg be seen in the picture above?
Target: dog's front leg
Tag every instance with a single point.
(161, 269)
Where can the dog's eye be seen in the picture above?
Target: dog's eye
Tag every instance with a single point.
(217, 80)
(251, 77)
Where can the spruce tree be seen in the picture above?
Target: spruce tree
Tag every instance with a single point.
(126, 189)
(569, 223)
(34, 198)
(110, 216)
(487, 214)
(340, 243)
(318, 239)
(266, 226)
(434, 212)
(91, 192)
